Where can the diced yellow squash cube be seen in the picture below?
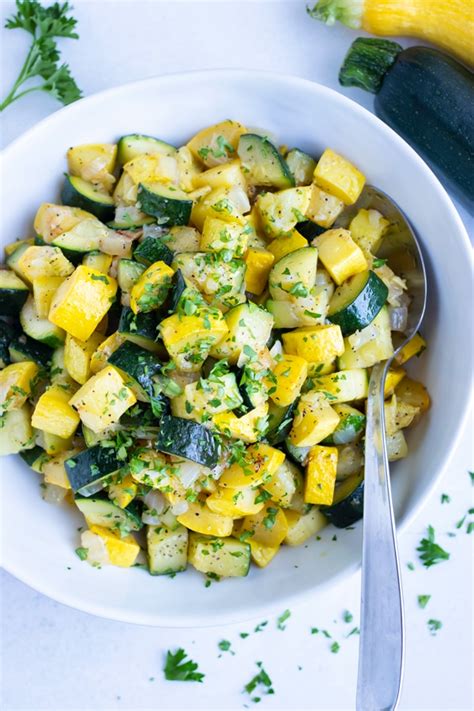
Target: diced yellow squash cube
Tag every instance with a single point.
(188, 339)
(394, 376)
(339, 177)
(100, 356)
(367, 229)
(234, 502)
(315, 420)
(82, 301)
(249, 427)
(122, 552)
(301, 527)
(218, 235)
(262, 555)
(53, 220)
(318, 344)
(44, 288)
(152, 168)
(16, 433)
(217, 144)
(151, 289)
(225, 175)
(228, 204)
(282, 485)
(317, 369)
(283, 246)
(260, 464)
(99, 261)
(289, 374)
(55, 445)
(78, 354)
(323, 208)
(258, 264)
(341, 256)
(54, 470)
(54, 414)
(93, 162)
(321, 475)
(188, 168)
(268, 527)
(44, 262)
(414, 347)
(123, 492)
(280, 212)
(413, 393)
(201, 519)
(103, 399)
(16, 382)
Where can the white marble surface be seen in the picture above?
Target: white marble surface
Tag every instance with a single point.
(59, 659)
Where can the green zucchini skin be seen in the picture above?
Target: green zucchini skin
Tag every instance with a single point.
(347, 511)
(428, 98)
(139, 328)
(309, 229)
(141, 365)
(7, 334)
(100, 511)
(90, 466)
(364, 306)
(279, 429)
(25, 348)
(152, 250)
(188, 439)
(167, 208)
(78, 193)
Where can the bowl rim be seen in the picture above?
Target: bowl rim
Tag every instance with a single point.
(297, 597)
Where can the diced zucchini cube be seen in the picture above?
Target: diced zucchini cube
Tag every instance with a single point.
(44, 262)
(323, 208)
(318, 344)
(341, 256)
(78, 354)
(167, 549)
(289, 374)
(367, 229)
(220, 235)
(249, 427)
(189, 339)
(226, 557)
(302, 526)
(44, 288)
(151, 288)
(258, 264)
(201, 519)
(16, 433)
(269, 527)
(281, 211)
(16, 382)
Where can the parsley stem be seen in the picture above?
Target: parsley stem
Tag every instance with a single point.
(22, 77)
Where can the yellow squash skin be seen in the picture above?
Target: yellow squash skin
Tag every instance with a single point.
(447, 23)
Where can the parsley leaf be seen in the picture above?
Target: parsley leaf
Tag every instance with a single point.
(42, 60)
(430, 552)
(82, 553)
(282, 619)
(261, 679)
(434, 626)
(177, 669)
(347, 616)
(445, 499)
(335, 647)
(423, 600)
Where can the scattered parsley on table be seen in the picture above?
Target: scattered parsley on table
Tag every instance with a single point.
(177, 669)
(430, 552)
(282, 619)
(423, 600)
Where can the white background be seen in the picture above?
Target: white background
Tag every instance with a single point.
(56, 658)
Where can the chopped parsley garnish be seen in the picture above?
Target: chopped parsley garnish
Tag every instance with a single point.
(379, 263)
(430, 552)
(177, 669)
(445, 499)
(225, 646)
(423, 600)
(471, 474)
(410, 566)
(282, 619)
(261, 626)
(100, 277)
(259, 680)
(335, 647)
(434, 626)
(347, 616)
(82, 553)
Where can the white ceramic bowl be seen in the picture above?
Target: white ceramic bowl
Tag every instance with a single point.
(38, 539)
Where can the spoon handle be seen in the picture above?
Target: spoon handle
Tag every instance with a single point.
(382, 629)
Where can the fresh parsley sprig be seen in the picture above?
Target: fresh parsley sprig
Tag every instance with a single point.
(44, 24)
(176, 669)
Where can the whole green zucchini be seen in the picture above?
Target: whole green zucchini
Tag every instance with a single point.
(427, 97)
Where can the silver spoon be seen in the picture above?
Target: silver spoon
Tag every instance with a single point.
(381, 651)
